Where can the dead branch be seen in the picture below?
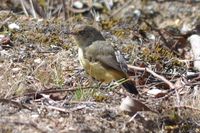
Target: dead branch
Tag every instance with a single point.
(171, 85)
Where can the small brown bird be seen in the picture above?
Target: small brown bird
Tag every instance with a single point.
(100, 59)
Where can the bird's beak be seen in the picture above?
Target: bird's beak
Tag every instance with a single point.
(75, 30)
(70, 33)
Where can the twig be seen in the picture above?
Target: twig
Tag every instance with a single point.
(64, 109)
(38, 9)
(124, 6)
(64, 9)
(50, 90)
(32, 9)
(24, 8)
(171, 85)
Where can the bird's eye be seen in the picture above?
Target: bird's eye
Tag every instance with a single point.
(82, 32)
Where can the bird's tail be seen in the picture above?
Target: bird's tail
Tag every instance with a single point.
(130, 87)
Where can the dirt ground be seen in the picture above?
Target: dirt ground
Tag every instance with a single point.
(43, 88)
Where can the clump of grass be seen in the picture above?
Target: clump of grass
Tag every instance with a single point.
(84, 94)
(58, 76)
(91, 93)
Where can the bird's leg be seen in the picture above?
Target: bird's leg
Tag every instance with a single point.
(102, 85)
(112, 85)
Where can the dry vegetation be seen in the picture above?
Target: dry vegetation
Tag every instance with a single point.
(43, 88)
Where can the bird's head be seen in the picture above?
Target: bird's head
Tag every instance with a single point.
(86, 35)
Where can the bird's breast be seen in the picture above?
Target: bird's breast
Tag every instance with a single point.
(97, 70)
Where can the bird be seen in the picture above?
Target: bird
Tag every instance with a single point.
(100, 59)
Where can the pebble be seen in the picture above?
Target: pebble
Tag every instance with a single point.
(13, 26)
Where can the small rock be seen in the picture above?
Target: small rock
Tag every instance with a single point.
(186, 28)
(78, 4)
(195, 41)
(137, 13)
(155, 91)
(1, 37)
(132, 106)
(4, 53)
(97, 5)
(151, 37)
(13, 26)
(38, 60)
(16, 69)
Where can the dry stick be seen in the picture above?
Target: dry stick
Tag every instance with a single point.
(124, 6)
(52, 91)
(38, 9)
(33, 9)
(171, 85)
(24, 8)
(61, 90)
(64, 9)
(64, 110)
(172, 92)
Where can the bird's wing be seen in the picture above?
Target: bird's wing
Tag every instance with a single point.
(103, 52)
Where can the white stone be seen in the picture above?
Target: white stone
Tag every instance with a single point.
(38, 60)
(195, 44)
(16, 69)
(155, 91)
(78, 4)
(13, 26)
